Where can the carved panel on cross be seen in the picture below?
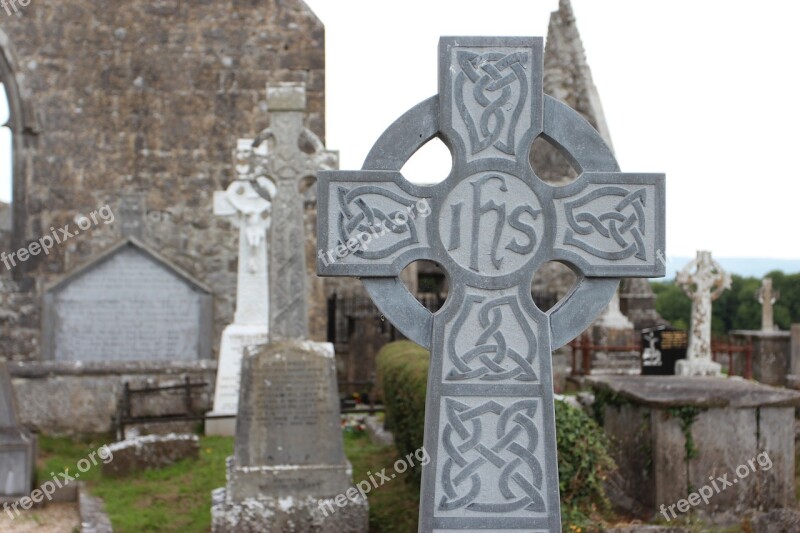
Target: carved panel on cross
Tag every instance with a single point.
(490, 458)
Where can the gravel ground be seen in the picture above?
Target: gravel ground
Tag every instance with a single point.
(54, 518)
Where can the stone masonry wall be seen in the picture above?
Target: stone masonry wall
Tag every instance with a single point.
(143, 97)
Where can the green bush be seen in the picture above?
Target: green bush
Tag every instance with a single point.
(403, 371)
(583, 460)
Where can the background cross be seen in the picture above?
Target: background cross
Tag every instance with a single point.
(290, 168)
(490, 428)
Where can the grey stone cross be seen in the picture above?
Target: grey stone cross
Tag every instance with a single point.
(490, 428)
(288, 167)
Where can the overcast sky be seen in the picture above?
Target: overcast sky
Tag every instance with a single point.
(706, 92)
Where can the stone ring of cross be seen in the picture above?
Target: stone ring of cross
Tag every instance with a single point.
(490, 428)
(533, 202)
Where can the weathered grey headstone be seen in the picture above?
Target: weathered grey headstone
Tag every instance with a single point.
(703, 280)
(127, 304)
(17, 446)
(288, 166)
(767, 298)
(250, 212)
(490, 428)
(288, 451)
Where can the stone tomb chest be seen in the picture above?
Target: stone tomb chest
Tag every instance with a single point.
(128, 304)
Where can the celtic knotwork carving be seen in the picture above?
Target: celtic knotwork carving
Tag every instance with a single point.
(492, 77)
(470, 453)
(491, 357)
(389, 228)
(623, 227)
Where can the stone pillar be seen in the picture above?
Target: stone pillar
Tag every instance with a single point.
(17, 446)
(793, 379)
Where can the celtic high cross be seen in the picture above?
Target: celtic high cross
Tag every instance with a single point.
(490, 428)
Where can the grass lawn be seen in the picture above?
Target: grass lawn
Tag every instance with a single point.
(178, 497)
(175, 498)
(393, 507)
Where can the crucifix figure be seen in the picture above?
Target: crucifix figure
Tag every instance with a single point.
(289, 166)
(703, 281)
(489, 421)
(248, 207)
(767, 298)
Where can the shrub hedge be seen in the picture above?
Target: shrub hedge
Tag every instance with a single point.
(583, 459)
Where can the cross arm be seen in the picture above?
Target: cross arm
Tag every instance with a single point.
(371, 223)
(612, 224)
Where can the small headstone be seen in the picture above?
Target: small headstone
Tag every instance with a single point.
(288, 166)
(489, 421)
(288, 455)
(17, 446)
(244, 205)
(703, 280)
(767, 298)
(127, 304)
(662, 347)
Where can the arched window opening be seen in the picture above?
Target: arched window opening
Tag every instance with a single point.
(6, 166)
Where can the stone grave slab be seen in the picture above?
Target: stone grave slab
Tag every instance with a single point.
(127, 304)
(731, 422)
(490, 428)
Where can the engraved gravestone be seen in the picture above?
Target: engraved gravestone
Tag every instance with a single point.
(490, 425)
(17, 446)
(288, 453)
(248, 210)
(127, 304)
(289, 166)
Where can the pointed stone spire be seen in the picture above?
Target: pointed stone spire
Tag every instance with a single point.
(567, 75)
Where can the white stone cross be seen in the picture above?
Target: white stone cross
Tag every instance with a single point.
(247, 203)
(703, 280)
(250, 212)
